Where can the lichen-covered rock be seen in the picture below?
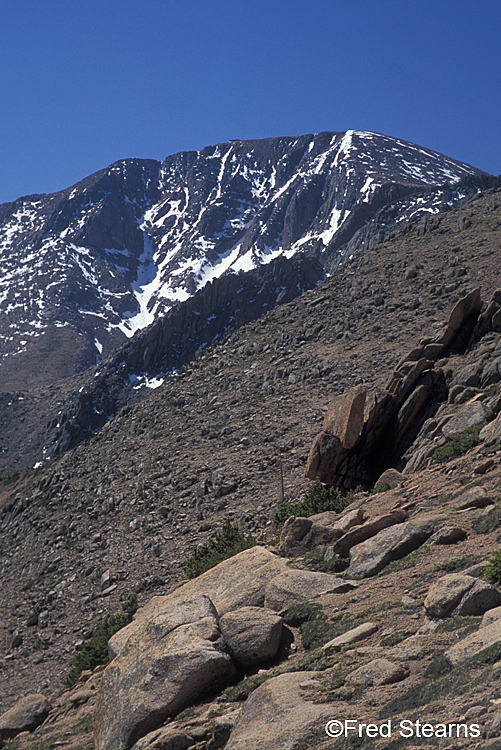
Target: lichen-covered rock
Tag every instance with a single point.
(252, 634)
(475, 644)
(172, 659)
(460, 594)
(276, 716)
(378, 672)
(234, 583)
(294, 586)
(371, 556)
(301, 534)
(25, 716)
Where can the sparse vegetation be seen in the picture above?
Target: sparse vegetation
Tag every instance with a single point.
(493, 570)
(458, 445)
(317, 499)
(10, 478)
(230, 541)
(95, 651)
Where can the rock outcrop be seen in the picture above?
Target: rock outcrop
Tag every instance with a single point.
(364, 431)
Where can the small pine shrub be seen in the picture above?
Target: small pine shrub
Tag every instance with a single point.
(458, 445)
(493, 570)
(230, 541)
(95, 651)
(317, 499)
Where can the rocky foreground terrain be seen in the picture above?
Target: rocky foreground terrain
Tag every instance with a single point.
(408, 631)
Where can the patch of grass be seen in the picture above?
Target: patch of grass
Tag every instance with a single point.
(459, 623)
(488, 522)
(95, 651)
(323, 559)
(317, 499)
(395, 638)
(493, 571)
(458, 445)
(299, 613)
(459, 562)
(229, 542)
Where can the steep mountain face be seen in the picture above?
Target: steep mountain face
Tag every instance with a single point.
(115, 252)
(216, 442)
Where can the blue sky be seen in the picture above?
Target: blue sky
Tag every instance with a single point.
(83, 84)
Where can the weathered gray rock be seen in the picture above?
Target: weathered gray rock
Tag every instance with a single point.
(351, 636)
(471, 414)
(167, 738)
(234, 583)
(340, 522)
(479, 599)
(460, 594)
(378, 672)
(389, 479)
(492, 431)
(445, 594)
(371, 556)
(358, 534)
(276, 716)
(448, 535)
(252, 634)
(491, 616)
(486, 638)
(301, 534)
(25, 716)
(476, 497)
(171, 660)
(294, 586)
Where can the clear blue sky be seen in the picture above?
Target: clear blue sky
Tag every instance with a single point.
(86, 82)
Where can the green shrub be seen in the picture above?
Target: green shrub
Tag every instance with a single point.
(317, 499)
(493, 570)
(227, 543)
(95, 651)
(458, 445)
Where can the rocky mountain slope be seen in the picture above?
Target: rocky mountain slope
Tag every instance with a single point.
(87, 267)
(160, 244)
(122, 513)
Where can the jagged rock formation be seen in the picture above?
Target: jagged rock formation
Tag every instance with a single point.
(365, 432)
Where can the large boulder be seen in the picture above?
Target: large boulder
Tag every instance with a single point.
(237, 582)
(301, 534)
(358, 534)
(252, 634)
(371, 556)
(481, 641)
(460, 594)
(345, 417)
(471, 414)
(276, 716)
(25, 716)
(294, 586)
(378, 672)
(174, 658)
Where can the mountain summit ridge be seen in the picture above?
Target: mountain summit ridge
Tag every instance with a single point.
(111, 254)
